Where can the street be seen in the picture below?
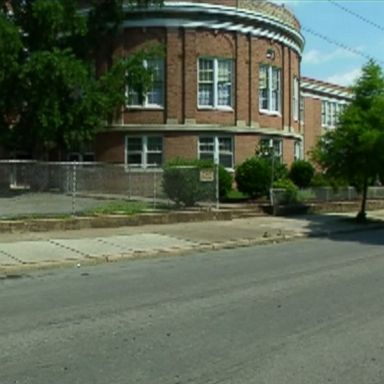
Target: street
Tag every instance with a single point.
(305, 311)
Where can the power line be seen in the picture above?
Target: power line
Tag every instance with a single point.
(341, 45)
(362, 18)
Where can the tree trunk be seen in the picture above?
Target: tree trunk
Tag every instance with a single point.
(362, 215)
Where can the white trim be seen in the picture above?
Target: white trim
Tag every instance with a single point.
(326, 98)
(143, 151)
(216, 147)
(308, 87)
(161, 129)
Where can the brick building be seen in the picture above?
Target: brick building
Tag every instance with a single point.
(228, 83)
(321, 103)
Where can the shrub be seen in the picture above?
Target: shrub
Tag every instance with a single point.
(319, 180)
(182, 185)
(253, 177)
(301, 173)
(290, 194)
(181, 181)
(225, 182)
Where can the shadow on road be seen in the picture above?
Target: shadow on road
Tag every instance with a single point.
(345, 227)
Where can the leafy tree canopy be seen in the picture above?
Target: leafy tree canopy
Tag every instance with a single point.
(353, 151)
(51, 94)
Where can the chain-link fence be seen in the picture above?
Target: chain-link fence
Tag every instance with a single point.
(32, 188)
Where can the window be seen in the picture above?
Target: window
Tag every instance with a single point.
(154, 97)
(215, 83)
(269, 89)
(295, 99)
(272, 145)
(217, 148)
(330, 112)
(298, 150)
(144, 151)
(302, 108)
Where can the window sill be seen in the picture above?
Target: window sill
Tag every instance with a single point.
(270, 113)
(219, 109)
(144, 108)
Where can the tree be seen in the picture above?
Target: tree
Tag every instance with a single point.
(52, 96)
(354, 150)
(253, 177)
(301, 173)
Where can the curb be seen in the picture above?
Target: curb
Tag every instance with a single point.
(17, 271)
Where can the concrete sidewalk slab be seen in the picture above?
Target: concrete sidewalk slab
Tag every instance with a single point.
(18, 250)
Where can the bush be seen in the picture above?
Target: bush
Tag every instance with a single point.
(182, 185)
(322, 180)
(225, 182)
(301, 173)
(290, 194)
(181, 181)
(253, 177)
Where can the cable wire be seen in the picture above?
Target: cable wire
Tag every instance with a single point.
(341, 45)
(353, 13)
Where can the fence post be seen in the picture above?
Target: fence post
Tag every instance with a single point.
(154, 189)
(74, 181)
(217, 186)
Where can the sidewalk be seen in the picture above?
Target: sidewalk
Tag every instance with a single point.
(20, 251)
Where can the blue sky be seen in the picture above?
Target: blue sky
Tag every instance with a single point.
(330, 62)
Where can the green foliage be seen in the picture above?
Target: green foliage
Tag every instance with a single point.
(183, 186)
(353, 152)
(121, 207)
(253, 177)
(225, 178)
(51, 94)
(225, 182)
(290, 194)
(301, 173)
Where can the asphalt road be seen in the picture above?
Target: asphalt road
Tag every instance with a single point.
(307, 311)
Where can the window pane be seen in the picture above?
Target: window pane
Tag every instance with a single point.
(155, 143)
(263, 77)
(206, 156)
(226, 160)
(224, 91)
(155, 95)
(135, 144)
(154, 159)
(206, 144)
(134, 159)
(205, 70)
(225, 144)
(206, 94)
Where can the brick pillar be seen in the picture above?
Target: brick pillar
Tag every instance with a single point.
(174, 77)
(242, 81)
(190, 76)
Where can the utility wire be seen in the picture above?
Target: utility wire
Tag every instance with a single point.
(362, 18)
(341, 45)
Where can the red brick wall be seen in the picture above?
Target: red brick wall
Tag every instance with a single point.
(180, 145)
(184, 47)
(109, 147)
(245, 147)
(312, 124)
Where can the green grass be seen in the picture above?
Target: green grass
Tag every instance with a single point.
(234, 195)
(121, 207)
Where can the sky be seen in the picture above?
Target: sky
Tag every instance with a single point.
(357, 25)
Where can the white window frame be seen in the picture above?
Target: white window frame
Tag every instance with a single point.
(295, 99)
(146, 104)
(215, 84)
(144, 151)
(271, 71)
(276, 144)
(298, 150)
(216, 151)
(330, 112)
